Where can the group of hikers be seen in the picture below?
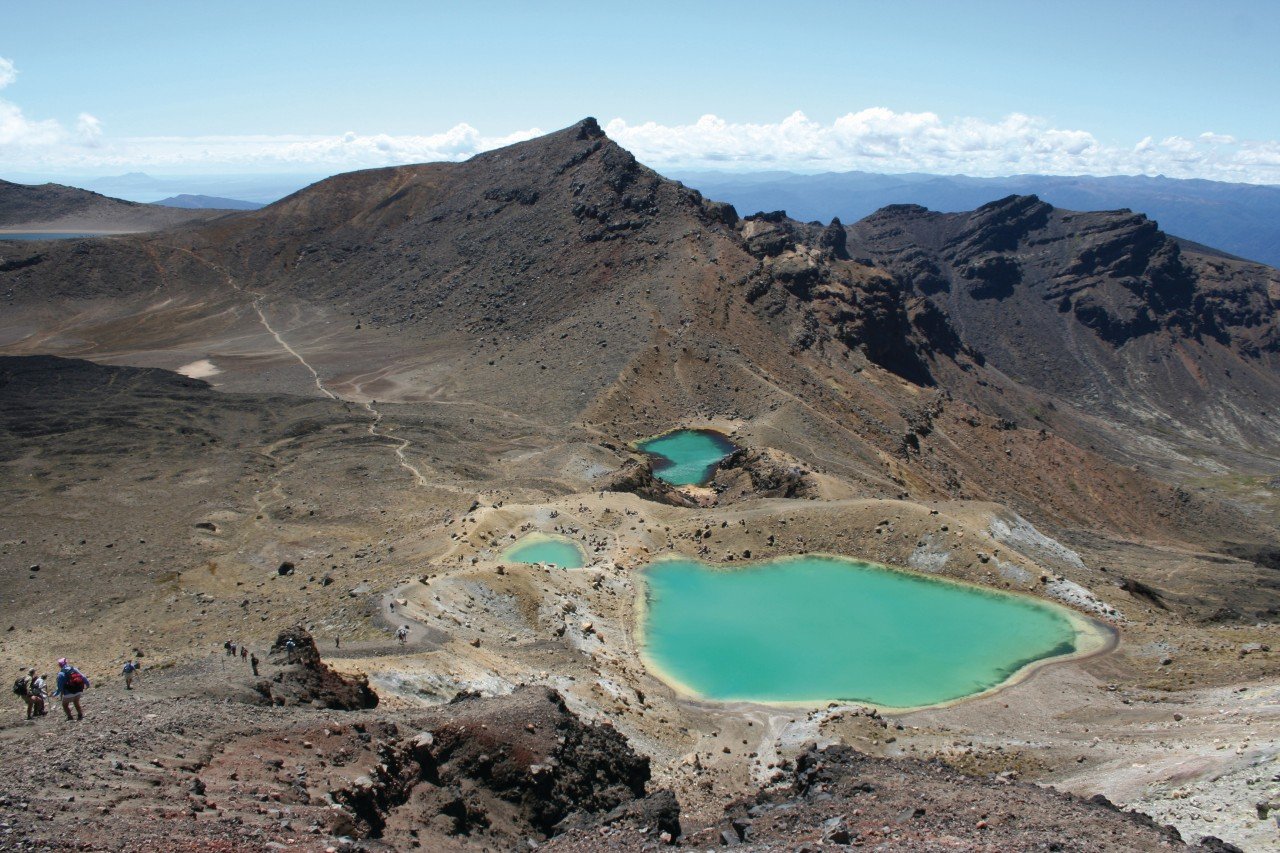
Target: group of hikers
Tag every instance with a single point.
(69, 686)
(232, 649)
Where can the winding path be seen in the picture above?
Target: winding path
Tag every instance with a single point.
(401, 444)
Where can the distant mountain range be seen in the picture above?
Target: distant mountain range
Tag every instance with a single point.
(1243, 219)
(55, 208)
(207, 202)
(158, 189)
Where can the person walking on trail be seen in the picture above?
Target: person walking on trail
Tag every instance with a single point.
(253, 662)
(130, 667)
(402, 634)
(24, 687)
(71, 686)
(244, 653)
(40, 694)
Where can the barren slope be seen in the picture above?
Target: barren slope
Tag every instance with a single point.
(53, 208)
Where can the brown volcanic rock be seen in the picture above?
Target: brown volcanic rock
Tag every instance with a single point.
(764, 472)
(484, 772)
(307, 680)
(1076, 304)
(636, 477)
(844, 797)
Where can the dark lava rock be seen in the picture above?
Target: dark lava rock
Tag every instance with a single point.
(307, 680)
(500, 771)
(767, 473)
(635, 477)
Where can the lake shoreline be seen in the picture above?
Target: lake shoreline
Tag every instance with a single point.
(1092, 638)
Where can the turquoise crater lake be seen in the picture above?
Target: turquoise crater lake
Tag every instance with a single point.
(816, 629)
(541, 548)
(687, 457)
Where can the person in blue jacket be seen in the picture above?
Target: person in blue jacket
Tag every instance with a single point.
(71, 686)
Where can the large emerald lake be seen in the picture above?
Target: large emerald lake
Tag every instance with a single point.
(688, 456)
(816, 628)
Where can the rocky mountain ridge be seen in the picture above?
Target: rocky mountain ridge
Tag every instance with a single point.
(54, 207)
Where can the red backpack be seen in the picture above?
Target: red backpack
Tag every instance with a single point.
(75, 682)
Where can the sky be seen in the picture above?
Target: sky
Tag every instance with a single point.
(1185, 89)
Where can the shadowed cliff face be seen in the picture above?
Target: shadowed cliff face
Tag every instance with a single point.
(1083, 306)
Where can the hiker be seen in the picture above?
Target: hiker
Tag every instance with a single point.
(244, 653)
(39, 693)
(71, 685)
(130, 667)
(253, 662)
(402, 634)
(226, 647)
(337, 642)
(23, 687)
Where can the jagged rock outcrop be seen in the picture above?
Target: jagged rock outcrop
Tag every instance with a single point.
(763, 473)
(498, 771)
(305, 679)
(635, 476)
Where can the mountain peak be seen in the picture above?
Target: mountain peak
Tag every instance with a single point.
(589, 128)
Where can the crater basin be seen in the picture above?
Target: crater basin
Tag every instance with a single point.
(687, 457)
(544, 548)
(816, 629)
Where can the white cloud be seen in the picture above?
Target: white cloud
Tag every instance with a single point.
(874, 139)
(16, 130)
(89, 129)
(881, 140)
(19, 133)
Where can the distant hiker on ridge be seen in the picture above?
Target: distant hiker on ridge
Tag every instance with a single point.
(253, 662)
(71, 685)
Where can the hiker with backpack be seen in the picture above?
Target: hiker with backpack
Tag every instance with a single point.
(39, 694)
(130, 667)
(24, 687)
(71, 686)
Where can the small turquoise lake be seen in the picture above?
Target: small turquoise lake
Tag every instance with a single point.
(687, 457)
(816, 629)
(540, 548)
